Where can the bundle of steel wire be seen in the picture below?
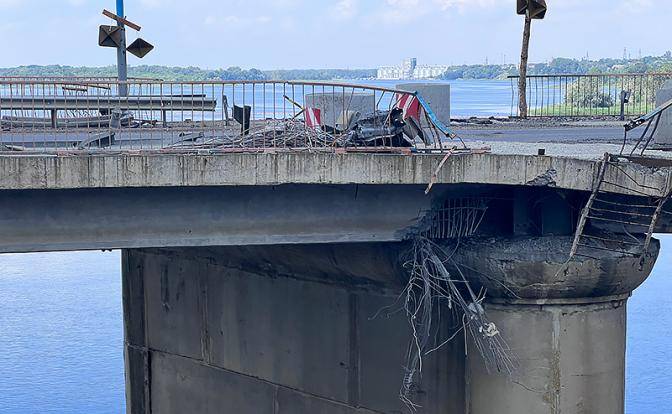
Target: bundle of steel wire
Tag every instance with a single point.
(431, 286)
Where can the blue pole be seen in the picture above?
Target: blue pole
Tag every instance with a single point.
(121, 53)
(120, 8)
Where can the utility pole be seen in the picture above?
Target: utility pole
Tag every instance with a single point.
(115, 36)
(122, 67)
(531, 9)
(522, 77)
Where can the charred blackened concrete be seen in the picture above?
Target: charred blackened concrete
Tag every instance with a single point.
(536, 268)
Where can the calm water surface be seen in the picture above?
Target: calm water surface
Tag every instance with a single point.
(470, 97)
(61, 333)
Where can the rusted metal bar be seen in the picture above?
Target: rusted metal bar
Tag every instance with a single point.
(627, 188)
(586, 209)
(122, 20)
(630, 223)
(629, 213)
(624, 204)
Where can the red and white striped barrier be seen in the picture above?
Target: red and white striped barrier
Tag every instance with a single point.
(410, 105)
(313, 118)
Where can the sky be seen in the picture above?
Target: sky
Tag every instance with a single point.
(284, 34)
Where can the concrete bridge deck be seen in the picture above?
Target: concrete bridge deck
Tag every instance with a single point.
(112, 201)
(156, 169)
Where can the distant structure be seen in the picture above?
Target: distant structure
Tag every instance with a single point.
(410, 69)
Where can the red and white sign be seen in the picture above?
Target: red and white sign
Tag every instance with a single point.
(313, 118)
(410, 105)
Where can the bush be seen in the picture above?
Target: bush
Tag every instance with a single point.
(589, 93)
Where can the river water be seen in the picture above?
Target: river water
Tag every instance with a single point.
(61, 323)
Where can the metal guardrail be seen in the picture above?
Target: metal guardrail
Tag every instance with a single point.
(589, 95)
(28, 78)
(86, 114)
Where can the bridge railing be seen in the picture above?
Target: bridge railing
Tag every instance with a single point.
(589, 95)
(88, 114)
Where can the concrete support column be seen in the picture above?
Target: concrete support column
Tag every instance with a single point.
(564, 323)
(274, 330)
(571, 357)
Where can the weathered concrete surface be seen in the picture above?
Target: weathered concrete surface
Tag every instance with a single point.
(113, 218)
(536, 268)
(333, 105)
(571, 360)
(435, 94)
(290, 329)
(190, 170)
(223, 337)
(161, 200)
(564, 322)
(663, 136)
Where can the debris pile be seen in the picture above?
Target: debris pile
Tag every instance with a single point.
(289, 133)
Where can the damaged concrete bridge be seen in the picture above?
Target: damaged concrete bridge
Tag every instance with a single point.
(289, 282)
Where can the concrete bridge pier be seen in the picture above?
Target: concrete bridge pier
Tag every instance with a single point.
(566, 329)
(288, 329)
(293, 329)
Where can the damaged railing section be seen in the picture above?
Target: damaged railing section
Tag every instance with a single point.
(652, 122)
(618, 224)
(95, 114)
(437, 283)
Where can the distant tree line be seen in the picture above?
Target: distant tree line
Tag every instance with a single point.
(155, 72)
(321, 74)
(190, 73)
(556, 66)
(479, 72)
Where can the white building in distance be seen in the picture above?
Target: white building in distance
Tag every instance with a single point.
(409, 69)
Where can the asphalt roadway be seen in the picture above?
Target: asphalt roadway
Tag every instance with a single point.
(565, 134)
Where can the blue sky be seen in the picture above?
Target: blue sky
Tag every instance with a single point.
(270, 34)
